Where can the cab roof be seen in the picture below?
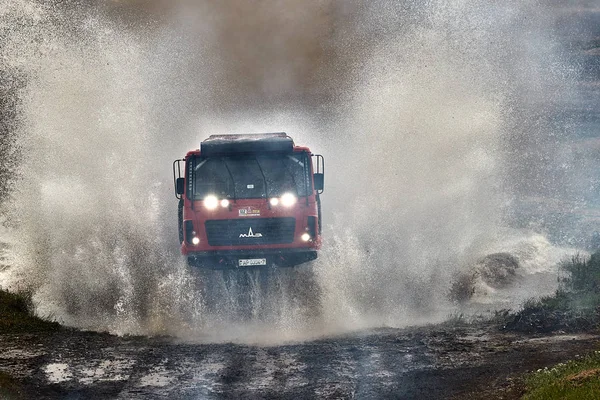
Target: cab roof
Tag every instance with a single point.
(278, 142)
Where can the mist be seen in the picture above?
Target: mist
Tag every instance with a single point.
(437, 122)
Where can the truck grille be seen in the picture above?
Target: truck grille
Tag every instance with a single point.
(252, 231)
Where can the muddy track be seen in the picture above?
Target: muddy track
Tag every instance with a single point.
(434, 362)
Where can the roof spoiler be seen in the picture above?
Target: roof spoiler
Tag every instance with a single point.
(247, 143)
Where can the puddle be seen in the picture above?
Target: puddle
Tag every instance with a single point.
(58, 372)
(107, 370)
(159, 378)
(559, 338)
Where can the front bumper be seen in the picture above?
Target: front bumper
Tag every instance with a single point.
(229, 259)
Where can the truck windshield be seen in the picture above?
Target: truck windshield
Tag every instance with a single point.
(251, 176)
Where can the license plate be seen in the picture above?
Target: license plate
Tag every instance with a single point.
(252, 261)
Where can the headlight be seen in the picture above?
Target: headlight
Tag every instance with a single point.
(224, 203)
(211, 202)
(274, 201)
(305, 237)
(288, 199)
(195, 241)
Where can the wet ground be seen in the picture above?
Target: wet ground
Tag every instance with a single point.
(434, 362)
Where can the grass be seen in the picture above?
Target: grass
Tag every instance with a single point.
(576, 380)
(575, 307)
(16, 315)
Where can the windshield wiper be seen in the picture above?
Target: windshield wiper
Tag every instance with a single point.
(291, 173)
(232, 180)
(264, 180)
(304, 178)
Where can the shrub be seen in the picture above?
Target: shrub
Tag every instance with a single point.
(16, 315)
(574, 307)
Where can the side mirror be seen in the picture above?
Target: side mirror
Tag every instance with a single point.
(180, 185)
(319, 182)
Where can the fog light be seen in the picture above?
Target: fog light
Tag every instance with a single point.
(195, 241)
(305, 237)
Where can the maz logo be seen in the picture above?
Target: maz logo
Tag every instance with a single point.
(251, 234)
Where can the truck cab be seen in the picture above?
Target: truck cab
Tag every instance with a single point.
(249, 200)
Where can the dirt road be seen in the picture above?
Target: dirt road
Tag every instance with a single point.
(427, 362)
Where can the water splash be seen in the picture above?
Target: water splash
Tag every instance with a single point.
(418, 109)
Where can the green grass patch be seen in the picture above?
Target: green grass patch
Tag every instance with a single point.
(576, 380)
(16, 315)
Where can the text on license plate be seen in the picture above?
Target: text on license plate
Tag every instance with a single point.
(252, 261)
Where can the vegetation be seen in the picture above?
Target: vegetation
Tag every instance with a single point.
(574, 307)
(16, 315)
(577, 380)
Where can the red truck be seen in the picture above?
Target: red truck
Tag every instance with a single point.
(249, 200)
